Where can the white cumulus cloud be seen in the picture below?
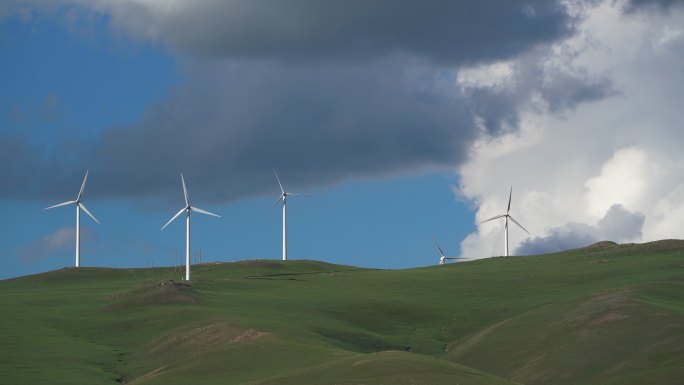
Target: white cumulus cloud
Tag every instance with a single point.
(611, 168)
(60, 240)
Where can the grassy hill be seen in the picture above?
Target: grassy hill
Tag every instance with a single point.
(605, 314)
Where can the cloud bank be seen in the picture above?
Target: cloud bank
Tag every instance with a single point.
(322, 92)
(610, 169)
(574, 103)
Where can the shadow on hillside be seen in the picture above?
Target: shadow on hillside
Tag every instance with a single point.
(160, 293)
(292, 276)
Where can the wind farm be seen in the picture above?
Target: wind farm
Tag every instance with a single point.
(312, 322)
(404, 122)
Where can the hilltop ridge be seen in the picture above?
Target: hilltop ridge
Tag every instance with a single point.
(603, 314)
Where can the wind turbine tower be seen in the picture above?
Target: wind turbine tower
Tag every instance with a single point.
(187, 209)
(507, 216)
(79, 205)
(283, 196)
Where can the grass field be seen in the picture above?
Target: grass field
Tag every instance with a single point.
(605, 314)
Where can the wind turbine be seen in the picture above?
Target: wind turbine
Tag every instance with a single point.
(507, 216)
(442, 257)
(79, 206)
(283, 195)
(187, 210)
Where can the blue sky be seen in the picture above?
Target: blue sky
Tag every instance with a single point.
(401, 132)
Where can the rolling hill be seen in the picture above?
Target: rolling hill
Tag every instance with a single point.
(605, 314)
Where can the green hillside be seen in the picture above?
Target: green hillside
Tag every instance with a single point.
(605, 314)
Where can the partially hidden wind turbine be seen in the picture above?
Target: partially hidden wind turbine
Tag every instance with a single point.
(443, 258)
(79, 206)
(507, 216)
(283, 196)
(187, 209)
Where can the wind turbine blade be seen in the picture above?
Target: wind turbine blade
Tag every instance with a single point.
(88, 212)
(174, 217)
(516, 222)
(279, 184)
(510, 194)
(299, 195)
(204, 212)
(60, 204)
(439, 248)
(493, 218)
(276, 202)
(457, 258)
(80, 192)
(185, 191)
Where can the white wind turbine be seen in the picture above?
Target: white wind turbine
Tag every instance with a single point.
(507, 216)
(283, 195)
(79, 206)
(187, 209)
(443, 258)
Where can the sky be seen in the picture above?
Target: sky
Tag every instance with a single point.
(405, 122)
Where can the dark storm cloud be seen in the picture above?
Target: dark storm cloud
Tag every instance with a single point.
(233, 121)
(663, 5)
(565, 91)
(316, 125)
(443, 31)
(372, 91)
(35, 171)
(499, 107)
(617, 225)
